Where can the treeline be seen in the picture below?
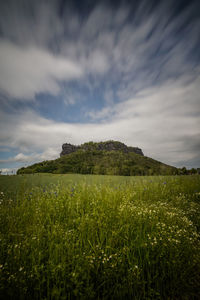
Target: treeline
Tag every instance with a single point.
(184, 171)
(102, 162)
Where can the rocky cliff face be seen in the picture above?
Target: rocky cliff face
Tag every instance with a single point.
(107, 146)
(135, 150)
(68, 148)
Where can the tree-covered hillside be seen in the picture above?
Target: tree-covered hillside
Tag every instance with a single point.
(101, 162)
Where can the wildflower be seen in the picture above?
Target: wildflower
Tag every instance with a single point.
(164, 182)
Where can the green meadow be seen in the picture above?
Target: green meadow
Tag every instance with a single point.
(99, 237)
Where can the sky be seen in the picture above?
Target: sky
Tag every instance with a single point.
(79, 71)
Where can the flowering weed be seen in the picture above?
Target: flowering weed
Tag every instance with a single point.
(99, 237)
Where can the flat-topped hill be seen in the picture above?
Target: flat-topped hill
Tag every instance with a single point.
(106, 158)
(101, 146)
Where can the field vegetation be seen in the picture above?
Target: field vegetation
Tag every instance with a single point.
(99, 237)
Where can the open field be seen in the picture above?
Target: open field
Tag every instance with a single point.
(99, 237)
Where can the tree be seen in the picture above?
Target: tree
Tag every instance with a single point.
(184, 171)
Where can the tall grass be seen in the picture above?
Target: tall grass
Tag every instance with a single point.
(99, 237)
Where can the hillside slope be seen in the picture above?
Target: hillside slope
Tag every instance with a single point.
(101, 162)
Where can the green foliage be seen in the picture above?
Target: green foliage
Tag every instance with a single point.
(99, 237)
(101, 162)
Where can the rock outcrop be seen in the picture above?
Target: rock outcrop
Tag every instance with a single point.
(68, 148)
(106, 146)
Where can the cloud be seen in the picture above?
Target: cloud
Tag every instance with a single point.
(30, 22)
(37, 52)
(49, 154)
(97, 62)
(20, 157)
(131, 47)
(26, 72)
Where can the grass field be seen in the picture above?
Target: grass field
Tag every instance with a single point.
(99, 237)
